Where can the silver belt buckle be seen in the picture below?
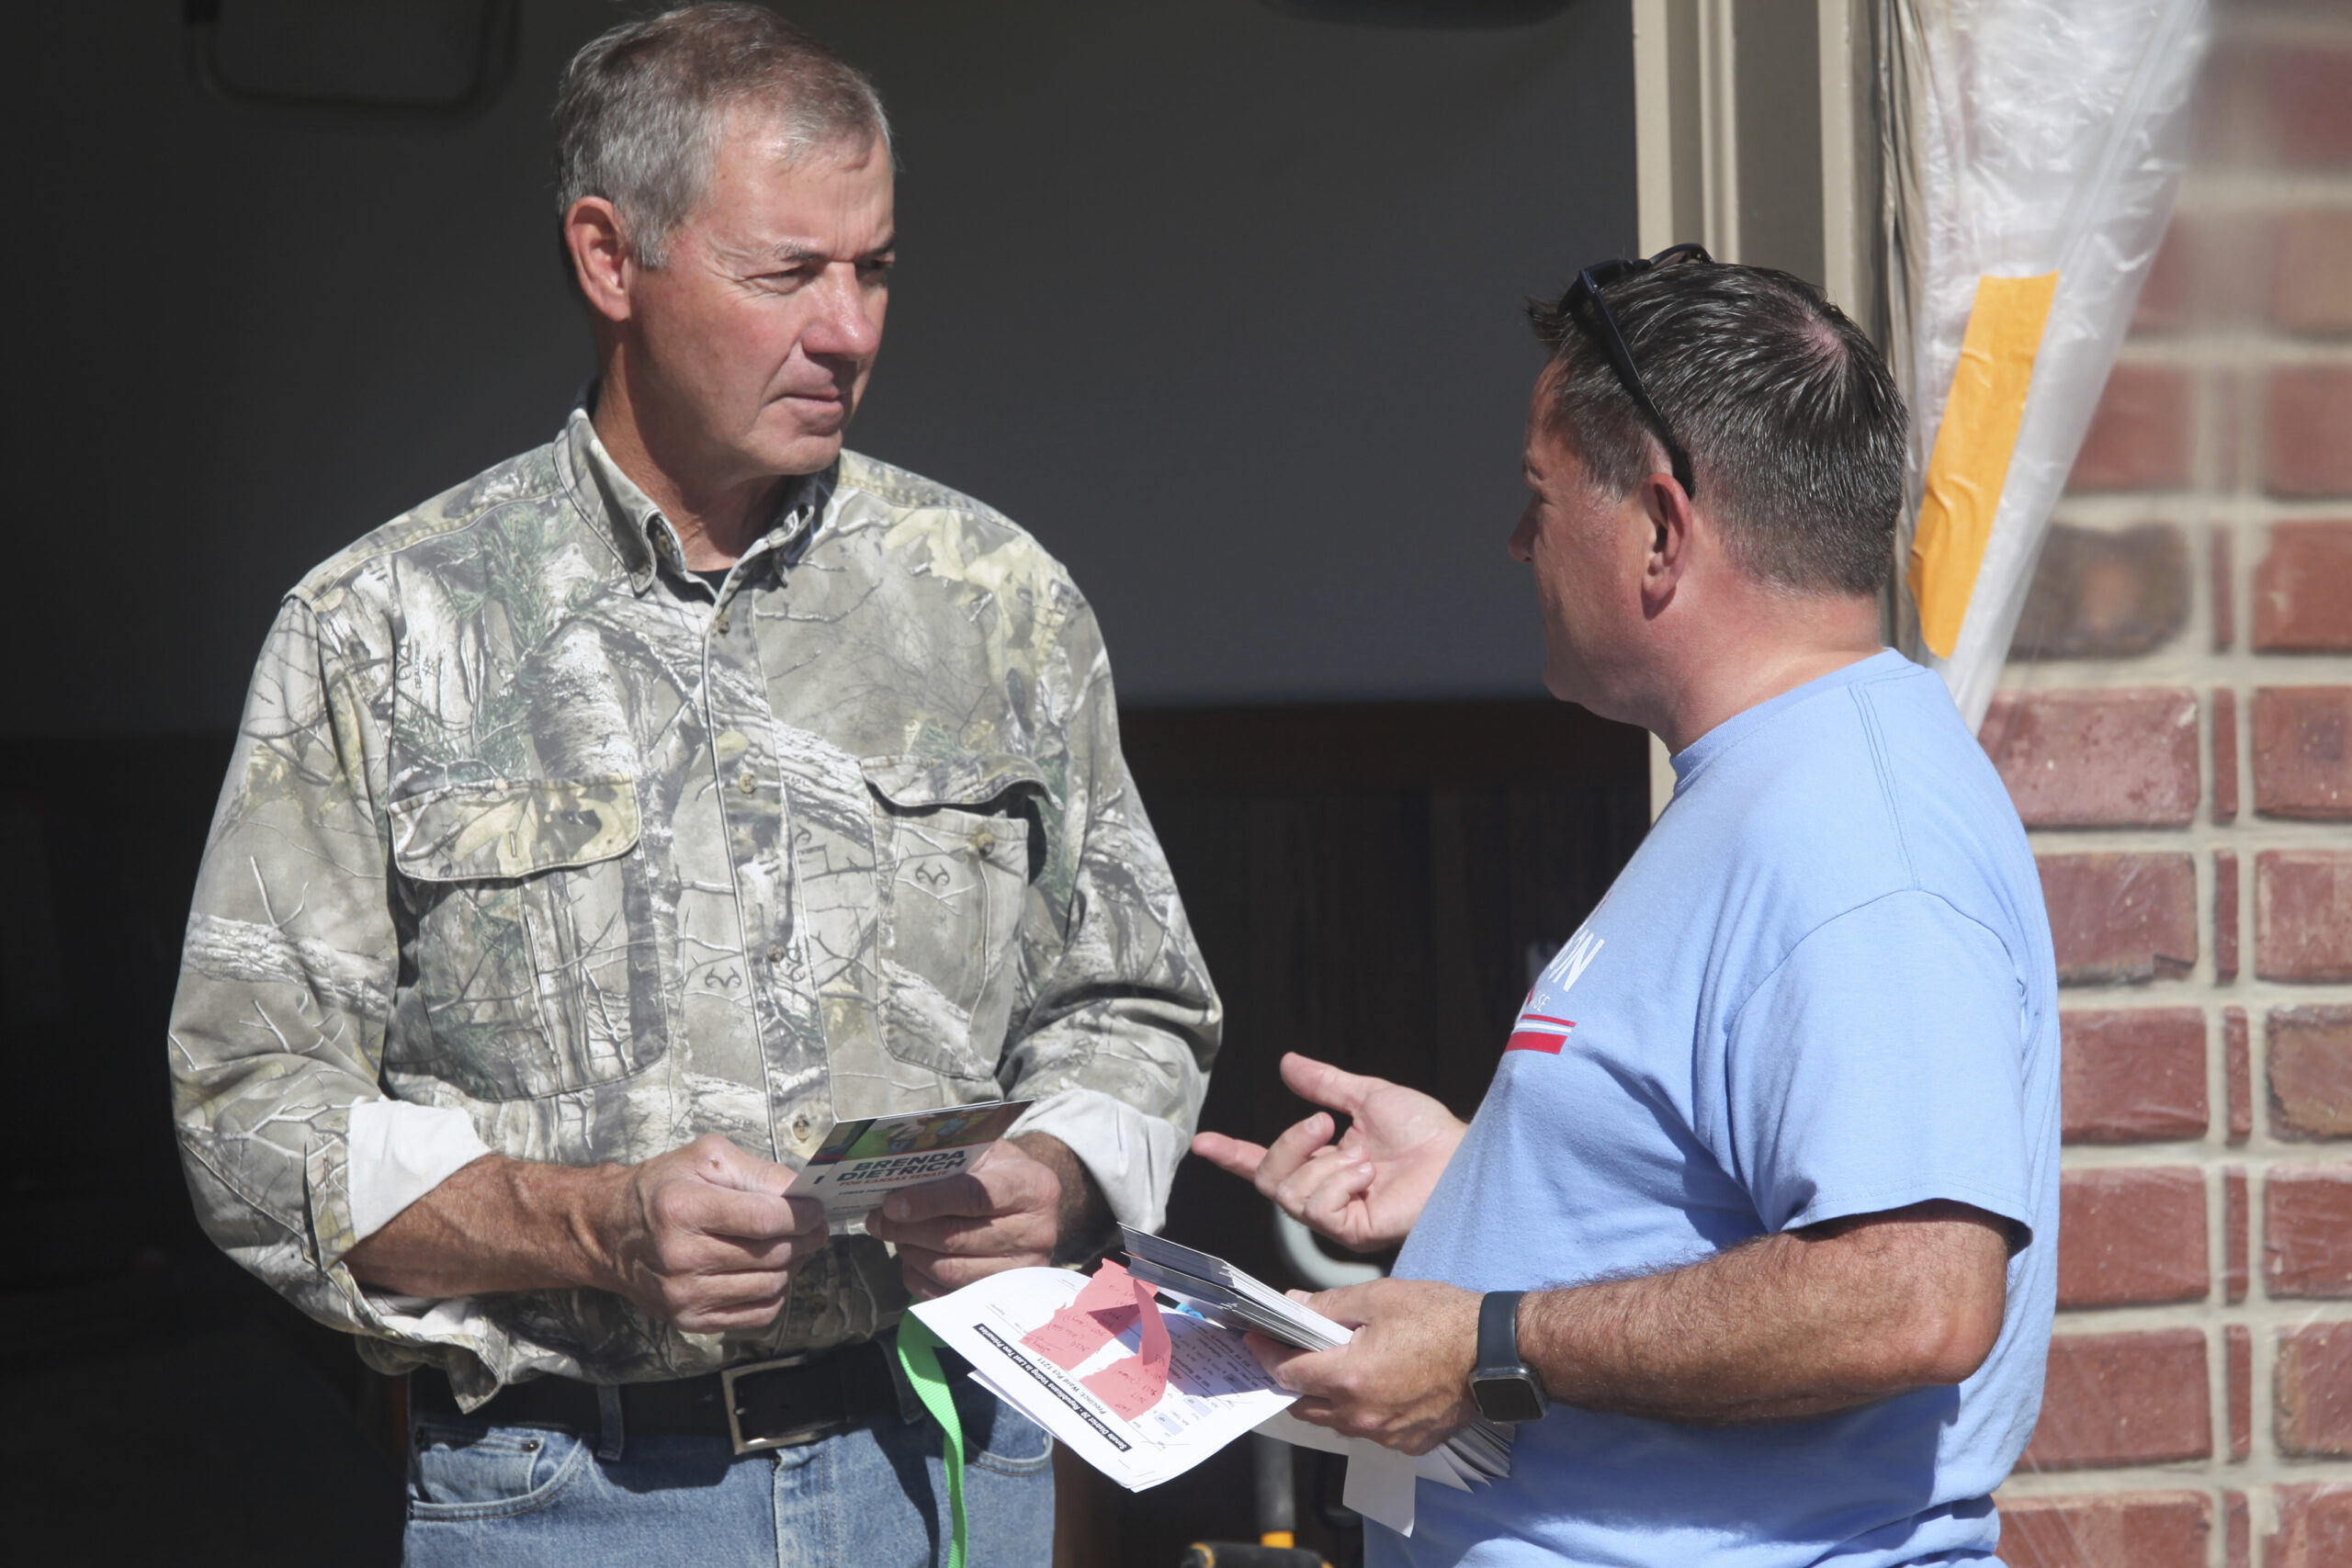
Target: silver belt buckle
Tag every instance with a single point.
(735, 1419)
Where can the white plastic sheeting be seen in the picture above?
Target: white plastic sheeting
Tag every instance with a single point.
(2023, 138)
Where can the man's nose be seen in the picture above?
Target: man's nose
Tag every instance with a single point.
(848, 321)
(1522, 538)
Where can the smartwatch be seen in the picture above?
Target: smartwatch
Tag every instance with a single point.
(1501, 1384)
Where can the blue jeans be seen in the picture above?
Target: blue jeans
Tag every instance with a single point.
(521, 1496)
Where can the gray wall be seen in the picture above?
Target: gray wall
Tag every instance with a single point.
(1222, 304)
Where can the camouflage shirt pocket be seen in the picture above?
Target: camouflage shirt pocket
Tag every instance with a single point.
(532, 961)
(957, 853)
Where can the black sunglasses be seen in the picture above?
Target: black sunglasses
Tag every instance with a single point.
(1603, 326)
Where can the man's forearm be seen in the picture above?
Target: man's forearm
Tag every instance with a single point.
(496, 1225)
(1783, 1328)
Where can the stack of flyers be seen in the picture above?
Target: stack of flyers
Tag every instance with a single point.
(860, 1163)
(1214, 1288)
(1222, 1294)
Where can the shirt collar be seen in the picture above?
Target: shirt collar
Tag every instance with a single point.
(1722, 736)
(645, 539)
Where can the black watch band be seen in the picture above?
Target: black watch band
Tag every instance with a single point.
(1498, 1328)
(1501, 1384)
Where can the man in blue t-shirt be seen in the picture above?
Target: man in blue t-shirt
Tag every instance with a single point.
(1754, 1235)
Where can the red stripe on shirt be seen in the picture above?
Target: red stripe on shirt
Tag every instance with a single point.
(1544, 1040)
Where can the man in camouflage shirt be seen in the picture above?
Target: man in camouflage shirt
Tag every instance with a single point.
(603, 830)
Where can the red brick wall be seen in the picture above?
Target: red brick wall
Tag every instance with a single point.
(2176, 731)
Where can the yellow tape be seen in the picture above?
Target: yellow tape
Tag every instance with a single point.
(1971, 461)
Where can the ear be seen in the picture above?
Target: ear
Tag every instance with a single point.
(601, 259)
(1666, 509)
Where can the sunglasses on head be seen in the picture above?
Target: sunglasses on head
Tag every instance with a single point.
(1585, 290)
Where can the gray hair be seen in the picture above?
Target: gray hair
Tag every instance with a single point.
(642, 108)
(1795, 428)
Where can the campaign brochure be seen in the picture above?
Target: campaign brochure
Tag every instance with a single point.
(860, 1163)
(1144, 1393)
(1139, 1412)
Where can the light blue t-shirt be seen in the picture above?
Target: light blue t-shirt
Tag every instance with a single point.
(1822, 987)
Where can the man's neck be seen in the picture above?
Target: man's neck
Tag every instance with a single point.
(717, 518)
(1755, 650)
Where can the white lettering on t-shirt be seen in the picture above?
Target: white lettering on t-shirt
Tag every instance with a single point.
(1573, 960)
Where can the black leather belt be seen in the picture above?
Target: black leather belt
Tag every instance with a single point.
(760, 1405)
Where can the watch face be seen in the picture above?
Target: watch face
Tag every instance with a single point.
(1506, 1398)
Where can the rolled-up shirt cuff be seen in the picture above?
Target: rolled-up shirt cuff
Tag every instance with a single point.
(1132, 1157)
(399, 1153)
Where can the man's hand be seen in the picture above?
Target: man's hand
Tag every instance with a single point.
(702, 1236)
(1403, 1381)
(1366, 1191)
(1010, 1212)
(706, 1237)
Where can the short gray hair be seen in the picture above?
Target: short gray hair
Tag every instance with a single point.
(642, 110)
(1795, 428)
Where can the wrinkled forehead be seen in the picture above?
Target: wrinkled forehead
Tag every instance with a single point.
(768, 127)
(759, 180)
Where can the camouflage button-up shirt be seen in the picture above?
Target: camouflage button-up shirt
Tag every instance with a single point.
(525, 821)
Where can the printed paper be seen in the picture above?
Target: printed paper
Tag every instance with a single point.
(860, 1163)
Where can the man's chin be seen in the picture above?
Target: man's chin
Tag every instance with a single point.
(805, 453)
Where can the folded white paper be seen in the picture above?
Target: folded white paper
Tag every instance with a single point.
(1380, 1481)
(1216, 1389)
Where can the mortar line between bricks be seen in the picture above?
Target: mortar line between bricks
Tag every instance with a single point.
(2244, 671)
(2217, 1359)
(2284, 833)
(2189, 506)
(2204, 1156)
(2260, 24)
(2235, 349)
(2235, 193)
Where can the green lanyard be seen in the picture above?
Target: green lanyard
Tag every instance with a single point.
(919, 1353)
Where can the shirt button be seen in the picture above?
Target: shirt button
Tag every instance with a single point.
(775, 955)
(751, 785)
(800, 1128)
(721, 622)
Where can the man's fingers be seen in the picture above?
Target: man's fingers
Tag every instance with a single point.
(1297, 1145)
(1001, 1210)
(961, 1196)
(1323, 1084)
(1304, 1372)
(735, 1213)
(950, 1235)
(1348, 1307)
(1272, 1355)
(1000, 1187)
(808, 1216)
(1233, 1155)
(709, 1257)
(1319, 1193)
(964, 1236)
(915, 1267)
